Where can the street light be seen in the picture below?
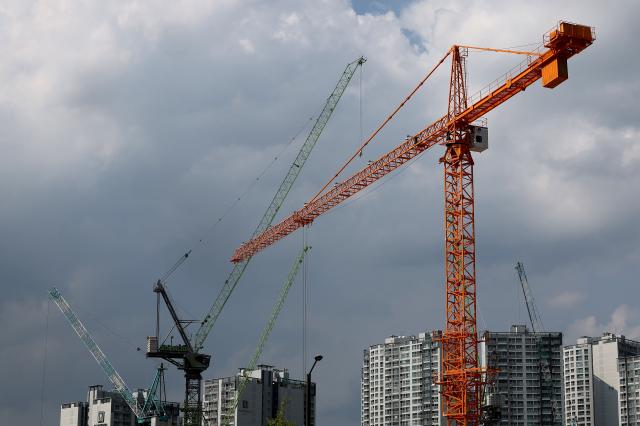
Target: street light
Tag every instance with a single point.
(308, 405)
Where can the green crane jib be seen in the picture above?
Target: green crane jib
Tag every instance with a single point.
(153, 403)
(238, 269)
(144, 412)
(537, 327)
(229, 410)
(187, 356)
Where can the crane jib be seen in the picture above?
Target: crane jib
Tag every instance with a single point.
(151, 406)
(561, 43)
(278, 199)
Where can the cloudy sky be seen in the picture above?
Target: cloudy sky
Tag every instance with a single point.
(130, 127)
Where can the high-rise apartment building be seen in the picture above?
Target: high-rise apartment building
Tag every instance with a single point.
(108, 408)
(578, 382)
(629, 396)
(526, 386)
(267, 390)
(592, 380)
(398, 381)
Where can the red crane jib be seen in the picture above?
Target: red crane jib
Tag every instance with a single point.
(561, 43)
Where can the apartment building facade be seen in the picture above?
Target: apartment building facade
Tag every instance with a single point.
(526, 386)
(267, 389)
(592, 380)
(398, 381)
(629, 396)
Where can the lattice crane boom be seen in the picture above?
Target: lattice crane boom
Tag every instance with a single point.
(532, 311)
(114, 377)
(278, 199)
(560, 44)
(537, 327)
(152, 407)
(152, 402)
(266, 332)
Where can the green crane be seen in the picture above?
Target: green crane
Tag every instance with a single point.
(144, 412)
(282, 192)
(188, 356)
(229, 410)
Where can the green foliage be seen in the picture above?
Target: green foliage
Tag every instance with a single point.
(280, 420)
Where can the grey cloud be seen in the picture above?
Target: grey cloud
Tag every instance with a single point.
(127, 133)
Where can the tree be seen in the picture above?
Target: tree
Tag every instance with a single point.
(280, 419)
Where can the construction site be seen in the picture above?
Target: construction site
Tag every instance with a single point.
(393, 259)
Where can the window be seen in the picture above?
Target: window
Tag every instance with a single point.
(101, 417)
(245, 403)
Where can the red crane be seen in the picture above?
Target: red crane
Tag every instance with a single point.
(461, 378)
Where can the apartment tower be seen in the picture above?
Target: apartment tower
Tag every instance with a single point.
(592, 380)
(398, 381)
(526, 385)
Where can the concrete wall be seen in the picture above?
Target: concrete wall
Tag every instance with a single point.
(73, 414)
(606, 382)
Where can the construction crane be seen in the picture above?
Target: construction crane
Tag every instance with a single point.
(156, 395)
(146, 408)
(229, 411)
(532, 311)
(461, 378)
(182, 356)
(187, 356)
(545, 364)
(279, 197)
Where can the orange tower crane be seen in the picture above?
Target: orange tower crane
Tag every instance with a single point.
(461, 378)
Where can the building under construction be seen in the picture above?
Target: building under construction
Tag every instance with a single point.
(520, 391)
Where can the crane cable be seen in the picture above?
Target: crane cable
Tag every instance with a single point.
(360, 101)
(44, 362)
(304, 305)
(383, 124)
(236, 201)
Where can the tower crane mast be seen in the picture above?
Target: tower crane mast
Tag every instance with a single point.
(461, 377)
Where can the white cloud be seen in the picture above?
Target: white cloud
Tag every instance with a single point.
(624, 320)
(153, 17)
